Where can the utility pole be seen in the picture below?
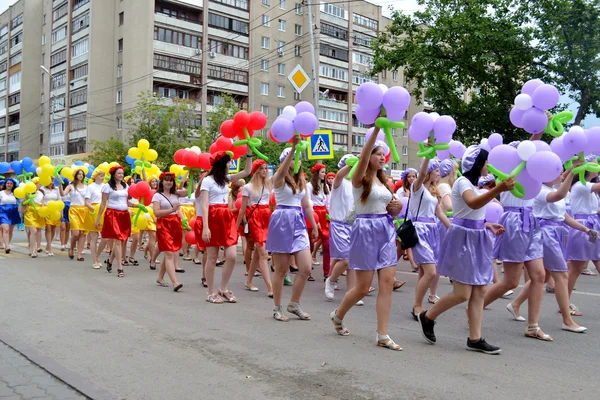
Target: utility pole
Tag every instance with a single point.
(51, 103)
(312, 58)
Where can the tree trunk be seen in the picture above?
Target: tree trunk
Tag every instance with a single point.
(583, 105)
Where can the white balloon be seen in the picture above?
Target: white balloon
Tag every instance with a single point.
(38, 171)
(147, 216)
(576, 129)
(383, 87)
(523, 102)
(289, 112)
(526, 149)
(195, 149)
(22, 184)
(434, 115)
(485, 145)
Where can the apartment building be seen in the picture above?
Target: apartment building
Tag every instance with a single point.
(88, 60)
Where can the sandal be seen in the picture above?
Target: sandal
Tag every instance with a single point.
(153, 267)
(162, 283)
(385, 341)
(133, 261)
(311, 278)
(415, 269)
(204, 282)
(71, 255)
(534, 331)
(120, 273)
(125, 263)
(228, 296)
(80, 259)
(197, 262)
(398, 285)
(315, 262)
(279, 315)
(574, 311)
(108, 265)
(338, 325)
(405, 257)
(294, 308)
(371, 290)
(415, 315)
(215, 299)
(187, 258)
(433, 298)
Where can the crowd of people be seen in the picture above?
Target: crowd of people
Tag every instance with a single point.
(284, 221)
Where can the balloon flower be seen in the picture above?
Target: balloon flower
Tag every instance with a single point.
(193, 161)
(575, 145)
(243, 126)
(438, 129)
(142, 154)
(142, 192)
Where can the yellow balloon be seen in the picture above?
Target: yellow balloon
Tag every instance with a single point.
(44, 160)
(67, 172)
(61, 205)
(20, 192)
(142, 223)
(43, 211)
(55, 215)
(45, 180)
(174, 169)
(112, 164)
(47, 170)
(134, 152)
(143, 145)
(151, 155)
(52, 206)
(30, 187)
(138, 170)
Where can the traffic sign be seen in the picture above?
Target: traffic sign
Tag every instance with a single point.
(320, 146)
(234, 166)
(299, 78)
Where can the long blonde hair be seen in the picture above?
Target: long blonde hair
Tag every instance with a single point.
(256, 183)
(433, 187)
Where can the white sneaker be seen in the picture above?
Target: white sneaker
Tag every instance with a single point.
(329, 289)
(508, 294)
(360, 303)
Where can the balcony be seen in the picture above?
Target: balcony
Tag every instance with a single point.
(176, 50)
(14, 146)
(332, 103)
(186, 25)
(57, 138)
(14, 127)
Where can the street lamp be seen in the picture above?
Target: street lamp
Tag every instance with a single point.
(51, 104)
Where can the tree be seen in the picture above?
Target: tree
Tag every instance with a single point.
(113, 149)
(220, 113)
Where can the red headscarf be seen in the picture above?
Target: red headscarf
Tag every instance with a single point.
(214, 158)
(317, 167)
(330, 175)
(257, 164)
(114, 169)
(165, 174)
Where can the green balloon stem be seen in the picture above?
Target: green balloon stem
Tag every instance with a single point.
(190, 186)
(390, 139)
(351, 173)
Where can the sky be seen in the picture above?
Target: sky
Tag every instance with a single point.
(5, 3)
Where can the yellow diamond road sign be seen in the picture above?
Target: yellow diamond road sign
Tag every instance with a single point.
(299, 78)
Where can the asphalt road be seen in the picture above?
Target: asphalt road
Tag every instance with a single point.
(141, 341)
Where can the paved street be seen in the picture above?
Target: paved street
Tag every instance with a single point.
(141, 341)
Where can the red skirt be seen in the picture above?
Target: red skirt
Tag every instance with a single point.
(240, 230)
(117, 225)
(258, 222)
(198, 233)
(169, 233)
(321, 211)
(222, 226)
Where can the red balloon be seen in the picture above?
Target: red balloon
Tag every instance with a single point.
(387, 158)
(192, 223)
(257, 121)
(306, 136)
(133, 191)
(224, 144)
(238, 204)
(272, 200)
(213, 148)
(178, 156)
(239, 151)
(242, 135)
(271, 136)
(204, 161)
(190, 238)
(227, 129)
(144, 186)
(189, 159)
(241, 119)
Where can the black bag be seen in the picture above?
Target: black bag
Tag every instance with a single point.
(407, 232)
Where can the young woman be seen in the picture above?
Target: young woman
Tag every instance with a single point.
(165, 204)
(218, 225)
(372, 240)
(319, 191)
(466, 253)
(424, 207)
(94, 196)
(407, 177)
(9, 212)
(236, 189)
(65, 224)
(50, 193)
(187, 211)
(117, 223)
(79, 208)
(200, 245)
(33, 222)
(255, 213)
(329, 178)
(288, 236)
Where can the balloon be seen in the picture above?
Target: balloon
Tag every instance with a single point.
(516, 117)
(43, 212)
(534, 120)
(27, 162)
(223, 143)
(380, 135)
(544, 166)
(558, 148)
(540, 145)
(4, 167)
(129, 160)
(443, 128)
(190, 238)
(241, 119)
(395, 114)
(289, 113)
(47, 170)
(134, 152)
(526, 149)
(213, 148)
(421, 125)
(369, 96)
(227, 129)
(523, 102)
(17, 167)
(282, 130)
(133, 191)
(532, 187)
(530, 86)
(383, 87)
(238, 204)
(495, 139)
(143, 145)
(593, 141)
(443, 154)
(43, 160)
(138, 170)
(45, 180)
(20, 192)
(67, 172)
(152, 155)
(366, 116)
(545, 97)
(457, 149)
(239, 151)
(178, 156)
(575, 140)
(396, 98)
(204, 161)
(306, 123)
(192, 222)
(493, 212)
(258, 120)
(142, 223)
(485, 145)
(304, 106)
(30, 187)
(504, 158)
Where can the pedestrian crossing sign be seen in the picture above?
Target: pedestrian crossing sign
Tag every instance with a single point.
(320, 146)
(234, 166)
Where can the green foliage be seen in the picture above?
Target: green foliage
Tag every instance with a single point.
(109, 150)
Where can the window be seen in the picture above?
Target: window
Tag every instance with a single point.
(279, 111)
(120, 71)
(78, 122)
(60, 12)
(3, 31)
(265, 2)
(14, 60)
(119, 123)
(81, 22)
(18, 38)
(404, 132)
(281, 69)
(363, 59)
(265, 42)
(121, 18)
(58, 81)
(280, 46)
(282, 4)
(168, 63)
(59, 34)
(228, 49)
(57, 127)
(358, 140)
(334, 31)
(43, 40)
(266, 20)
(78, 72)
(78, 97)
(264, 65)
(282, 25)
(359, 79)
(17, 21)
(119, 96)
(59, 103)
(332, 72)
(2, 87)
(241, 4)
(170, 93)
(227, 74)
(340, 138)
(364, 21)
(3, 66)
(80, 48)
(186, 14)
(296, 95)
(298, 29)
(120, 45)
(335, 116)
(334, 10)
(3, 47)
(79, 3)
(280, 91)
(360, 39)
(14, 119)
(228, 24)
(264, 89)
(14, 99)
(58, 58)
(404, 150)
(2, 125)
(333, 52)
(264, 110)
(297, 50)
(44, 19)
(298, 8)
(395, 75)
(176, 37)
(404, 166)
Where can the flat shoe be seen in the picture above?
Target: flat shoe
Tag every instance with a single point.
(176, 288)
(581, 329)
(251, 288)
(512, 312)
(163, 284)
(180, 270)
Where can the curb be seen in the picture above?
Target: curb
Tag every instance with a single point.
(68, 377)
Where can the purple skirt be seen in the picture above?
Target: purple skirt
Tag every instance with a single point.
(373, 243)
(579, 248)
(522, 238)
(426, 250)
(553, 239)
(466, 253)
(287, 231)
(442, 229)
(339, 240)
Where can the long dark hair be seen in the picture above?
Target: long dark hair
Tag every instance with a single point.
(12, 181)
(367, 180)
(113, 183)
(161, 188)
(219, 171)
(75, 180)
(317, 183)
(475, 172)
(295, 181)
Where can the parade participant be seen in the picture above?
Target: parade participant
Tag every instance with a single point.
(188, 212)
(372, 240)
(218, 225)
(236, 189)
(200, 245)
(94, 195)
(319, 191)
(254, 216)
(79, 209)
(33, 222)
(329, 178)
(9, 212)
(65, 224)
(466, 254)
(117, 223)
(287, 235)
(50, 193)
(165, 204)
(407, 177)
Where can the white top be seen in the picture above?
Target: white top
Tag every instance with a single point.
(117, 199)
(216, 194)
(428, 205)
(78, 196)
(343, 201)
(583, 200)
(50, 195)
(461, 209)
(66, 198)
(508, 200)
(164, 204)
(253, 197)
(376, 203)
(543, 209)
(285, 197)
(95, 193)
(400, 193)
(186, 200)
(7, 198)
(445, 190)
(319, 199)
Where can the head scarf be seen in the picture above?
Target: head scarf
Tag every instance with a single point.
(484, 180)
(343, 160)
(317, 167)
(408, 171)
(469, 157)
(284, 154)
(257, 164)
(446, 167)
(433, 164)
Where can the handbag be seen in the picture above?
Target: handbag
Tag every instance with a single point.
(407, 232)
(247, 225)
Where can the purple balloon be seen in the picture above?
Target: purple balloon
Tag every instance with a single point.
(516, 117)
(365, 115)
(495, 139)
(443, 154)
(540, 145)
(304, 106)
(534, 120)
(282, 130)
(544, 166)
(574, 141)
(369, 96)
(421, 125)
(593, 141)
(558, 148)
(504, 158)
(396, 98)
(444, 127)
(395, 115)
(493, 212)
(530, 86)
(380, 135)
(457, 149)
(545, 97)
(306, 123)
(532, 187)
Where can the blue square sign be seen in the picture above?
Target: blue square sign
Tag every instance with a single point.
(320, 146)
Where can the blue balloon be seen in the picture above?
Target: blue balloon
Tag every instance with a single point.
(17, 167)
(79, 163)
(27, 162)
(31, 169)
(130, 160)
(4, 167)
(56, 182)
(91, 169)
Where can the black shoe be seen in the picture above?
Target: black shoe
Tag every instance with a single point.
(181, 271)
(293, 270)
(427, 327)
(415, 316)
(482, 346)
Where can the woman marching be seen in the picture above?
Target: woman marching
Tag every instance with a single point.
(50, 193)
(9, 212)
(372, 240)
(117, 223)
(407, 178)
(466, 253)
(65, 224)
(78, 211)
(33, 222)
(188, 212)
(288, 236)
(165, 204)
(319, 191)
(94, 196)
(218, 225)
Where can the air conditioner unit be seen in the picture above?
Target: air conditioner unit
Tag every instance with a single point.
(281, 53)
(198, 52)
(212, 54)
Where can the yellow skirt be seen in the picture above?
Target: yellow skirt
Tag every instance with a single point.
(53, 222)
(31, 219)
(151, 222)
(77, 217)
(90, 220)
(188, 211)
